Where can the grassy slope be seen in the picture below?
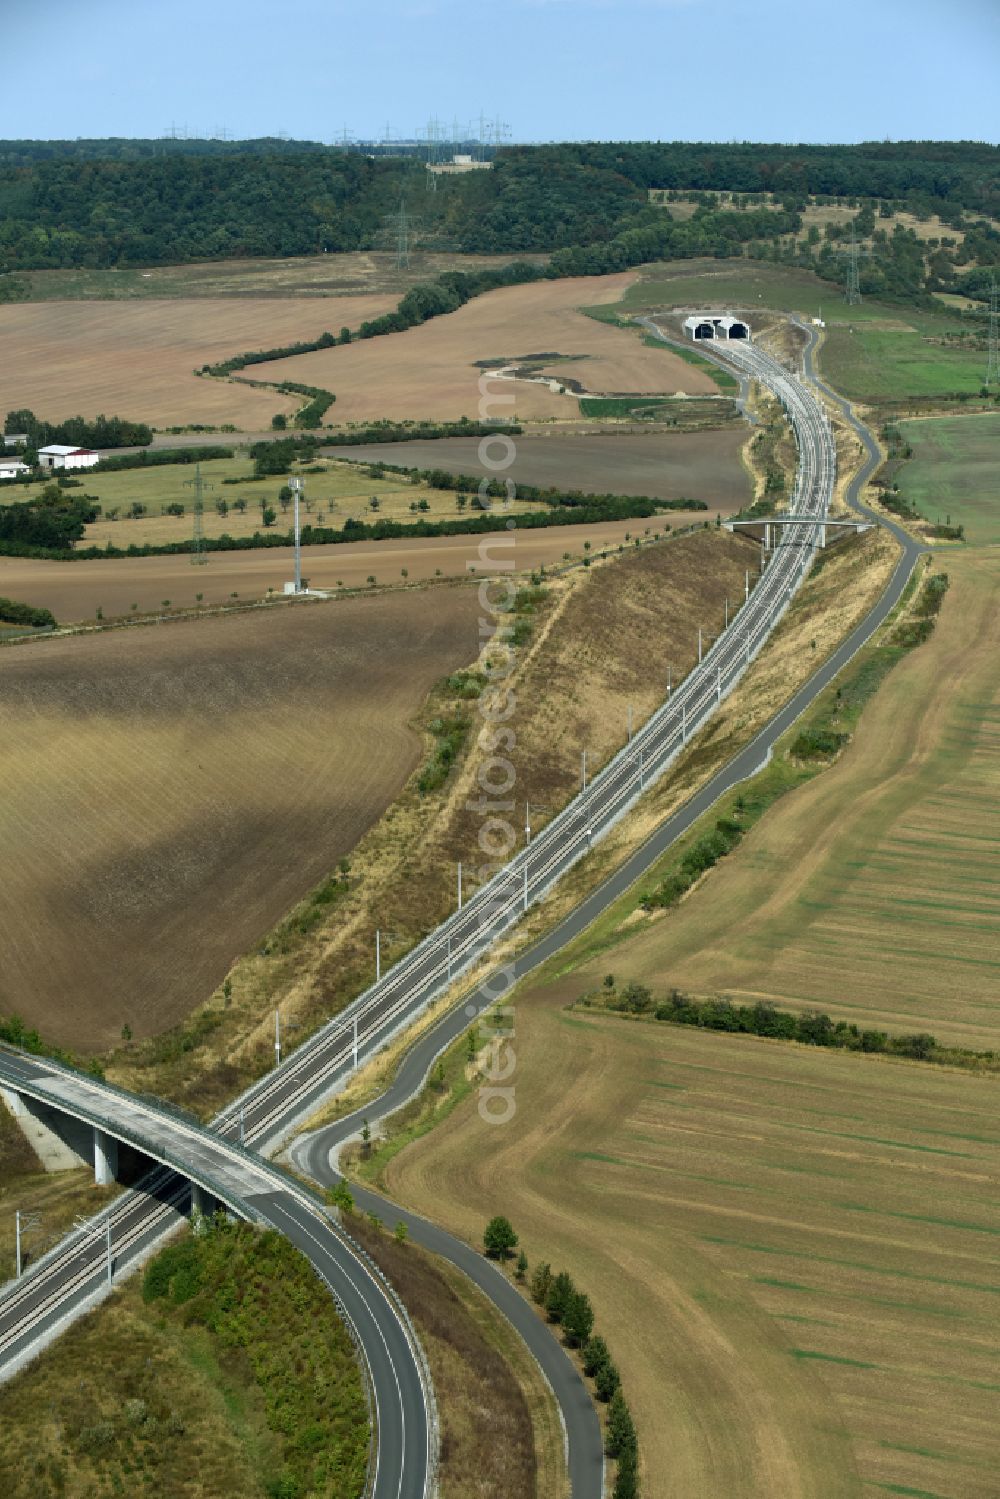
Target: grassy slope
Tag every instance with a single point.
(954, 472)
(239, 1380)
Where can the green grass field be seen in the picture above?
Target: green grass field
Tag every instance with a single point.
(954, 472)
(872, 351)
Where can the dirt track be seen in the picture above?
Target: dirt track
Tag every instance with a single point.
(172, 792)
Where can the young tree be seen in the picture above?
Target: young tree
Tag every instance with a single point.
(401, 1233)
(499, 1238)
(561, 1292)
(267, 515)
(606, 1381)
(279, 422)
(540, 1283)
(620, 1431)
(578, 1319)
(627, 1477)
(340, 1196)
(595, 1356)
(522, 1265)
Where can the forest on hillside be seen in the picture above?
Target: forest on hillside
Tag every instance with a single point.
(118, 203)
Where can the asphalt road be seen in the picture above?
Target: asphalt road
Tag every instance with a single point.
(255, 1190)
(267, 1113)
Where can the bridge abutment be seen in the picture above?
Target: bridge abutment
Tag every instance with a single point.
(105, 1158)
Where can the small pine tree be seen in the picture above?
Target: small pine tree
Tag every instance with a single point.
(578, 1319)
(561, 1293)
(522, 1265)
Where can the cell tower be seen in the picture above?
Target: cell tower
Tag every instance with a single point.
(993, 342)
(199, 485)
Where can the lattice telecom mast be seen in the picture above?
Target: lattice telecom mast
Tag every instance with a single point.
(199, 485)
(993, 342)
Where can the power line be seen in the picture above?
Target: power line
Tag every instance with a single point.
(199, 485)
(854, 252)
(993, 341)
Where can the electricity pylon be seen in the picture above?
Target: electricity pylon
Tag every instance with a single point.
(993, 342)
(853, 252)
(199, 485)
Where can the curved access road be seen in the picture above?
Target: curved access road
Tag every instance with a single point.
(403, 1455)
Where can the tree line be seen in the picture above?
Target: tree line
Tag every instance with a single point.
(77, 431)
(567, 1307)
(808, 1027)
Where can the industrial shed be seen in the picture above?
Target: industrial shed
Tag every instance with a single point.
(709, 325)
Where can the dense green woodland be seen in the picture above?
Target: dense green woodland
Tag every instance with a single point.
(106, 203)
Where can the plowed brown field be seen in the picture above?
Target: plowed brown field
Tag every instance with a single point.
(171, 792)
(430, 371)
(136, 359)
(73, 590)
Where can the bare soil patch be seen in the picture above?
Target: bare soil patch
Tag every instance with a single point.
(171, 792)
(136, 359)
(431, 371)
(667, 465)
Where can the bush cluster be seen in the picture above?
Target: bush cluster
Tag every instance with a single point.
(26, 614)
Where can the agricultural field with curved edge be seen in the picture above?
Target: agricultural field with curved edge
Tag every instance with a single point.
(137, 358)
(433, 371)
(173, 791)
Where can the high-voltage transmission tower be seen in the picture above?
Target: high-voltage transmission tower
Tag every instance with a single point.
(993, 342)
(402, 226)
(854, 252)
(199, 485)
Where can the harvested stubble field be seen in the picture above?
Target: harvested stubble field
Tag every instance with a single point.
(136, 359)
(953, 472)
(697, 465)
(173, 791)
(431, 371)
(872, 893)
(789, 1251)
(75, 590)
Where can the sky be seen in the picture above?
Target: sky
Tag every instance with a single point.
(767, 70)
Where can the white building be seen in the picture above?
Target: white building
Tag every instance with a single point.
(13, 468)
(58, 455)
(461, 163)
(16, 439)
(707, 325)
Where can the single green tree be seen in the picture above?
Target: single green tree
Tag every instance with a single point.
(401, 1233)
(340, 1196)
(620, 1430)
(279, 422)
(541, 1280)
(268, 515)
(522, 1266)
(606, 1381)
(595, 1356)
(499, 1238)
(561, 1292)
(578, 1319)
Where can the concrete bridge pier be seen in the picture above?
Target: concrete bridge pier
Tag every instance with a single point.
(105, 1158)
(203, 1204)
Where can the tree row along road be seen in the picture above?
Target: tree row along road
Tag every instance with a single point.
(71, 1277)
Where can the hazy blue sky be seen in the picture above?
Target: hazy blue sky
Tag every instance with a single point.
(790, 70)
